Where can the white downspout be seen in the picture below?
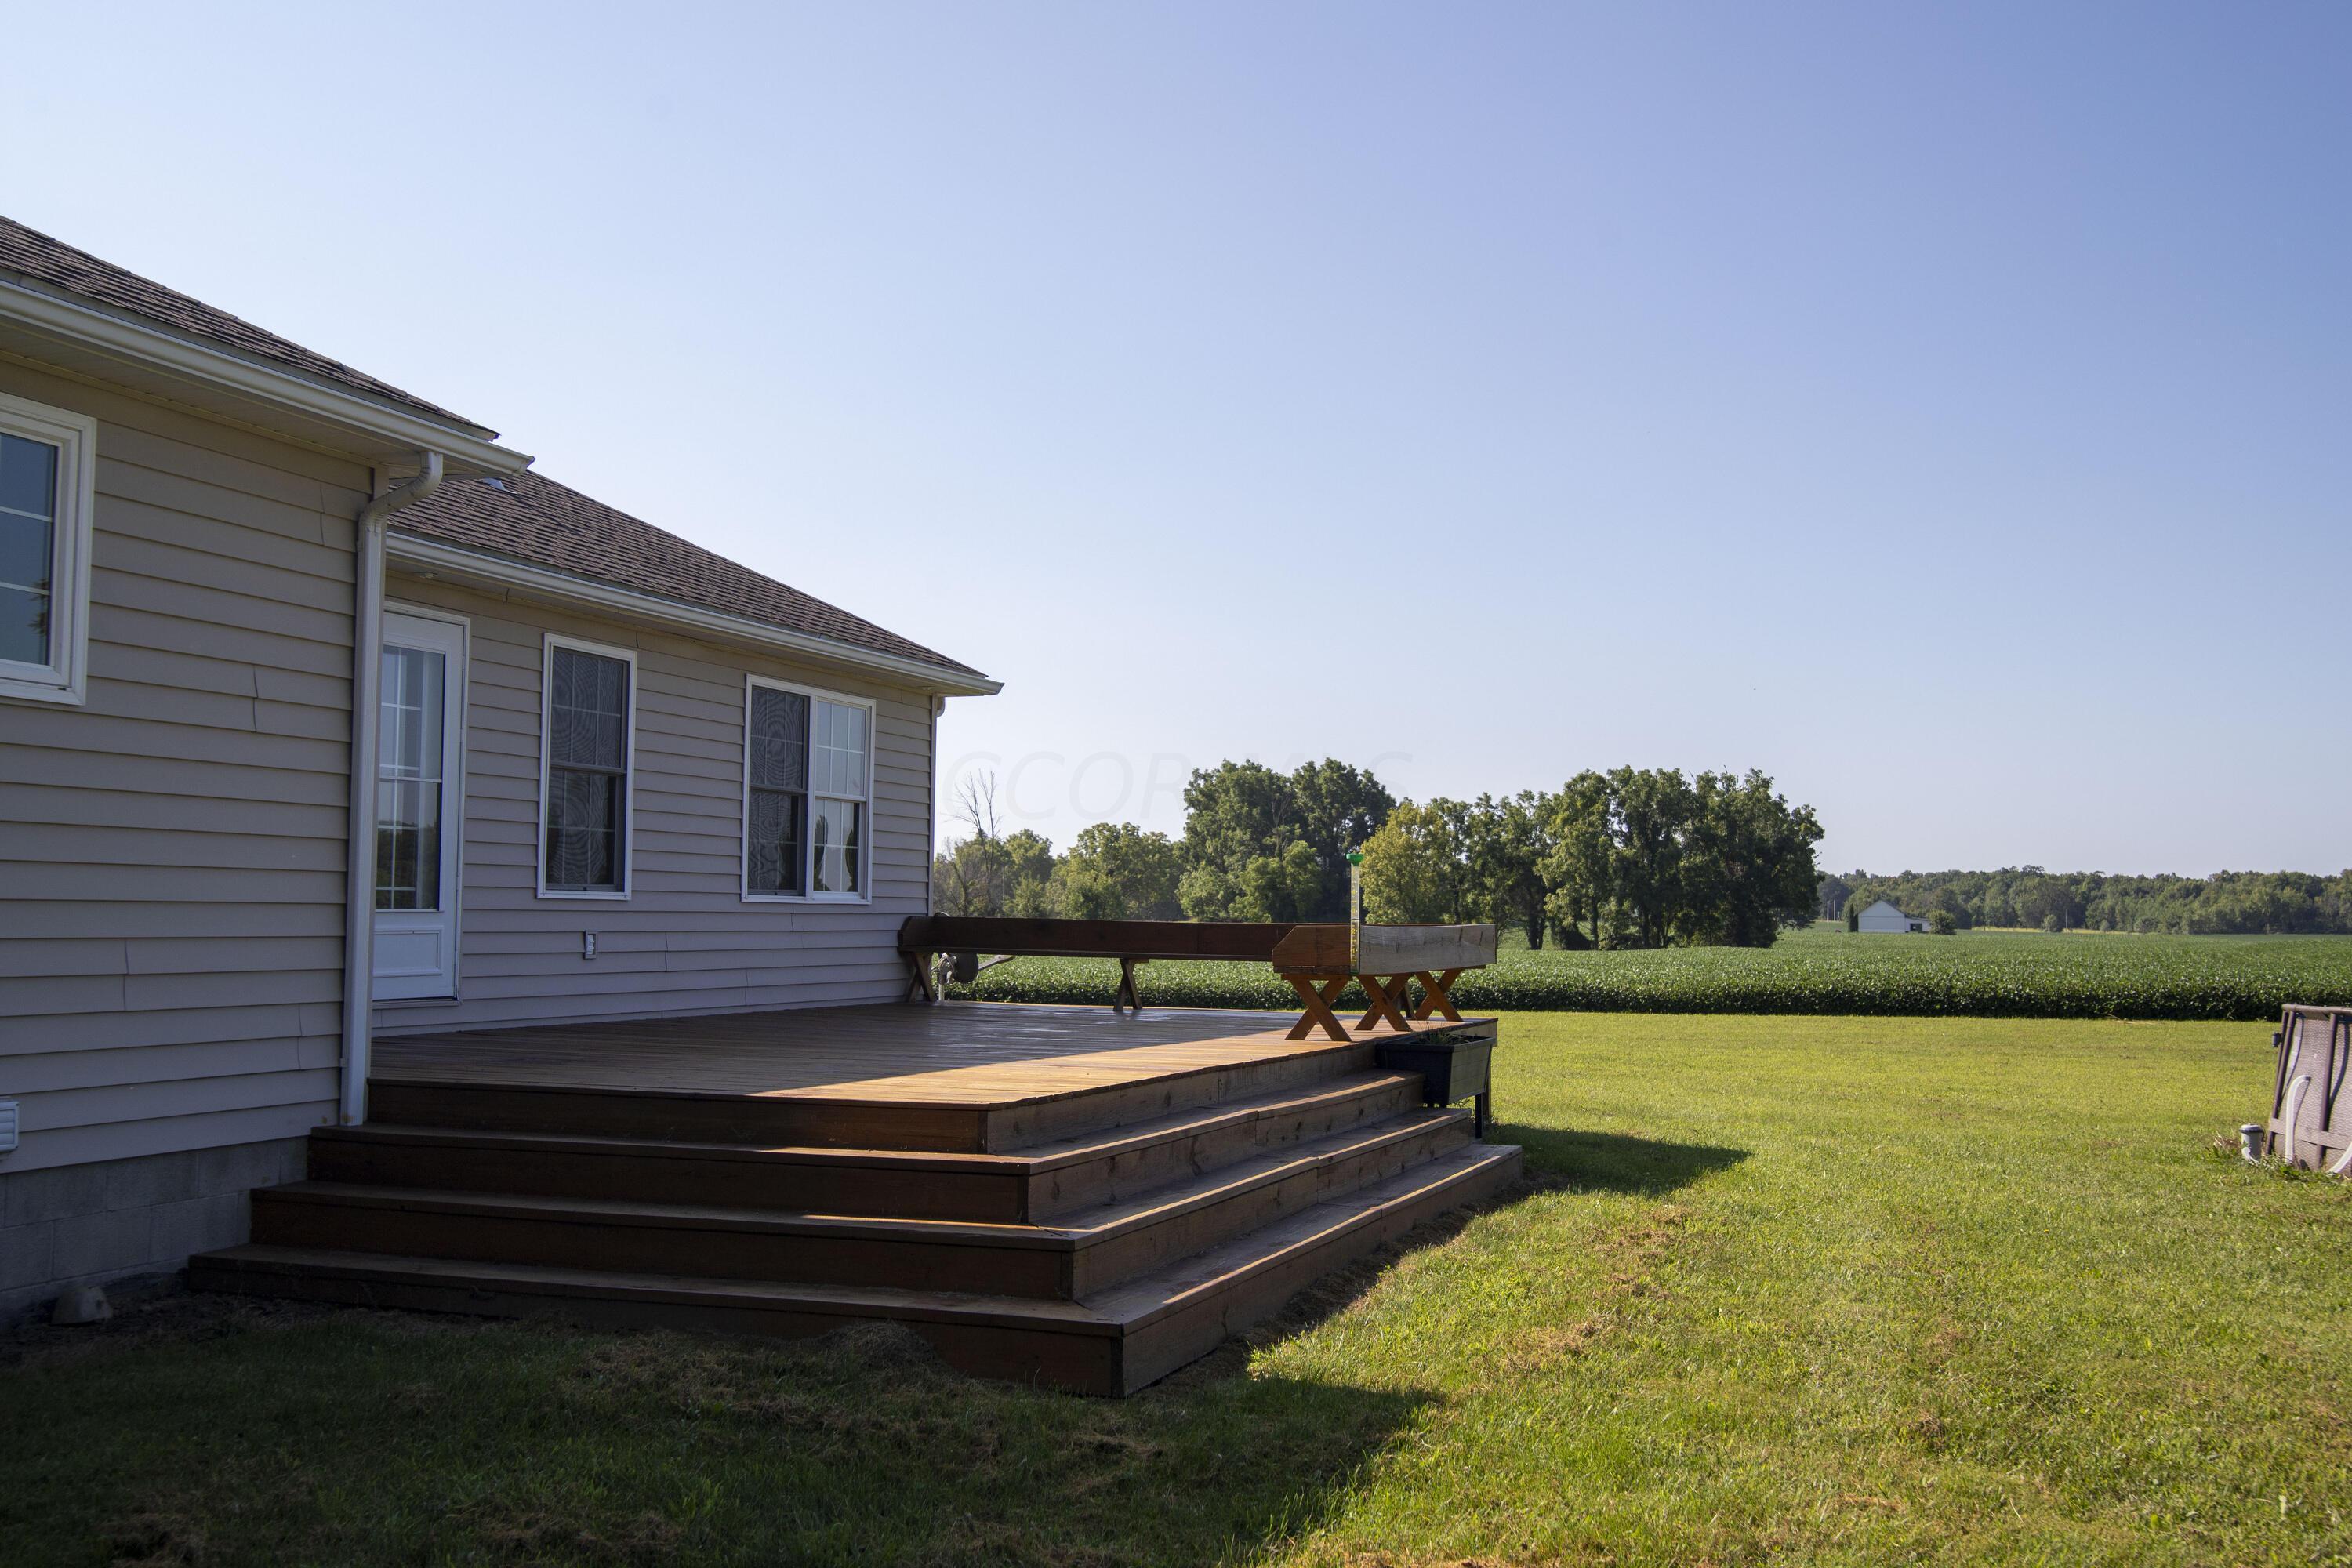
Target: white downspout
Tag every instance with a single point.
(359, 874)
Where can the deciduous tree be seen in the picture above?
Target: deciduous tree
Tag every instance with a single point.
(1417, 866)
(1507, 841)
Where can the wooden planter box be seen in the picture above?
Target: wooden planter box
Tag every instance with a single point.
(1453, 1068)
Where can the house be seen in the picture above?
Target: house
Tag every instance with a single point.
(377, 811)
(1882, 916)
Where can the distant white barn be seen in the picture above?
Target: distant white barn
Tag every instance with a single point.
(1882, 916)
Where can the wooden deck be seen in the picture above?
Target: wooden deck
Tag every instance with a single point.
(1058, 1194)
(959, 1075)
(965, 1053)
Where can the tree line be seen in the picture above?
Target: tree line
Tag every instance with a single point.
(2226, 904)
(1632, 858)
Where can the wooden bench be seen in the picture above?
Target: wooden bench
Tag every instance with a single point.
(1130, 941)
(1318, 959)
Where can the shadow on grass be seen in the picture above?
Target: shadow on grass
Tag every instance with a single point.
(355, 1437)
(1614, 1163)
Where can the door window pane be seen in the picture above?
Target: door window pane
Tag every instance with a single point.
(408, 742)
(409, 779)
(407, 846)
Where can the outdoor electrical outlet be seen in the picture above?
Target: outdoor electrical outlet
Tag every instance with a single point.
(587, 944)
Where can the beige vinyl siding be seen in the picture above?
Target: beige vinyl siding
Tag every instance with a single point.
(684, 941)
(171, 853)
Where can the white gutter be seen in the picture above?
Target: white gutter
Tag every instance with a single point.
(358, 871)
(468, 446)
(433, 557)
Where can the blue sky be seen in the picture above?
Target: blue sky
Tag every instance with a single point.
(1944, 409)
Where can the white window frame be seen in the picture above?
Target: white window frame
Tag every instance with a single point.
(815, 694)
(628, 655)
(65, 679)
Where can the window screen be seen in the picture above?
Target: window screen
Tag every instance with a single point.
(587, 770)
(776, 852)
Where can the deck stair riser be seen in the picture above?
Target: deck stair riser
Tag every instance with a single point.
(771, 1121)
(1075, 1174)
(980, 1188)
(1087, 1253)
(1114, 1345)
(1034, 1183)
(1192, 1223)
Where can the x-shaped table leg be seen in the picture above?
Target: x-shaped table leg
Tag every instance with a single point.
(1317, 996)
(1437, 995)
(1384, 1007)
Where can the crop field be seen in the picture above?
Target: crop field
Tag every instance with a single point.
(1986, 974)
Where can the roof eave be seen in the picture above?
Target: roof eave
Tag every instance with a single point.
(432, 554)
(129, 339)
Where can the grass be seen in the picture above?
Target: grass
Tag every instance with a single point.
(1848, 1291)
(2015, 974)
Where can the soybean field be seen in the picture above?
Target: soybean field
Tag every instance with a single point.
(1820, 970)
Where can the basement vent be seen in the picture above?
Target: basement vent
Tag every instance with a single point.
(8, 1128)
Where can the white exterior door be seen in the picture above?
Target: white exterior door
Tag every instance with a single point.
(419, 812)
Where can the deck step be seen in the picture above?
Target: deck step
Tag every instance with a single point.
(1112, 1343)
(1078, 1254)
(871, 1118)
(1031, 1185)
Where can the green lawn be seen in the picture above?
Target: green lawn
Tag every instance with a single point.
(1817, 970)
(1797, 1289)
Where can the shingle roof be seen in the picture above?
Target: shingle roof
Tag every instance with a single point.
(525, 517)
(532, 519)
(35, 256)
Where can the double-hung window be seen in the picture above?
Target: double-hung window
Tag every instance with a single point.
(47, 457)
(808, 784)
(590, 704)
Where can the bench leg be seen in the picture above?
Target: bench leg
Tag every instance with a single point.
(1125, 998)
(1317, 1001)
(920, 991)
